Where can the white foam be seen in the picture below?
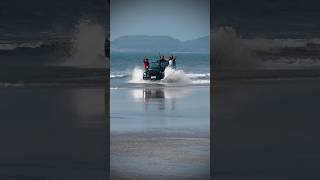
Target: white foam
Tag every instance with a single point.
(137, 76)
(175, 76)
(198, 76)
(114, 76)
(172, 77)
(5, 84)
(230, 49)
(201, 82)
(87, 48)
(15, 45)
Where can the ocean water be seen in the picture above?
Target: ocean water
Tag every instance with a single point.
(52, 40)
(232, 49)
(127, 70)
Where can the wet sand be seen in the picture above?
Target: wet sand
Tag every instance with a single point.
(53, 133)
(160, 133)
(266, 129)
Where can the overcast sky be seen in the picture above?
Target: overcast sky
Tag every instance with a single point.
(180, 19)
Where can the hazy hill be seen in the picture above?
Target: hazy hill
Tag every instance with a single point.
(160, 44)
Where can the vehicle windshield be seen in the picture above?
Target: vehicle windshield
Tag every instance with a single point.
(154, 66)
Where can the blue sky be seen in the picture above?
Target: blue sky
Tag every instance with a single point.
(180, 19)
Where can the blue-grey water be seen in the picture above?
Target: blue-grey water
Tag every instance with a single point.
(127, 68)
(152, 122)
(52, 132)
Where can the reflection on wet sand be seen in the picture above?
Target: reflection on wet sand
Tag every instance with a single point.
(156, 134)
(88, 108)
(164, 98)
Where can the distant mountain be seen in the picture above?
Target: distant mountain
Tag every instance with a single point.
(160, 44)
(197, 45)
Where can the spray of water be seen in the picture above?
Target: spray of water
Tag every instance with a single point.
(231, 50)
(172, 77)
(137, 76)
(88, 45)
(175, 76)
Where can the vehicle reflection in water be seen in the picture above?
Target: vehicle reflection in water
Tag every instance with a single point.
(162, 98)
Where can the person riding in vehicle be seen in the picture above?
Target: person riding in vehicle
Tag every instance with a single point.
(173, 61)
(163, 63)
(170, 61)
(162, 58)
(146, 63)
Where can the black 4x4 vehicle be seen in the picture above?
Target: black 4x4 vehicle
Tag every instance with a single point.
(156, 70)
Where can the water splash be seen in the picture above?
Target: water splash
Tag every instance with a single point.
(88, 45)
(172, 77)
(137, 76)
(175, 76)
(232, 50)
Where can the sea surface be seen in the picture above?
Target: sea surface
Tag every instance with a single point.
(53, 37)
(127, 69)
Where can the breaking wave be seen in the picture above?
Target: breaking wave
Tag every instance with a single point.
(198, 76)
(41, 44)
(136, 76)
(118, 76)
(15, 45)
(87, 45)
(230, 49)
(175, 76)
